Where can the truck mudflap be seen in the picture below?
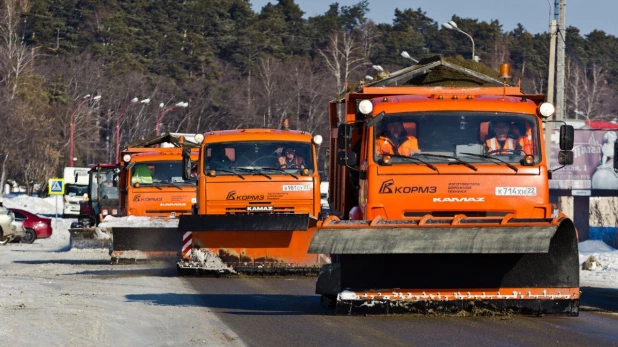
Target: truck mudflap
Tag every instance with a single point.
(90, 238)
(132, 244)
(257, 244)
(447, 265)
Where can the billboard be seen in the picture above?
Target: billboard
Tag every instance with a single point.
(593, 166)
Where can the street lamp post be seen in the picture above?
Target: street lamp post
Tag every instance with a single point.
(134, 101)
(165, 111)
(407, 56)
(453, 26)
(84, 99)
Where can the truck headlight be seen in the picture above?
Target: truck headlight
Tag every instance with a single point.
(546, 109)
(365, 107)
(317, 139)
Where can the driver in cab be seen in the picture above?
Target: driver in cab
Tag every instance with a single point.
(501, 144)
(395, 141)
(290, 160)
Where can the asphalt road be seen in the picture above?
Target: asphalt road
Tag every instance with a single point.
(286, 312)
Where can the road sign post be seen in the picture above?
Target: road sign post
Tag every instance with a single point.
(55, 186)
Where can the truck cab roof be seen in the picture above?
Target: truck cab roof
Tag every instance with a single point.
(257, 134)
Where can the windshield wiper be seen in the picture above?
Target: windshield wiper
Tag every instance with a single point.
(416, 161)
(150, 185)
(492, 158)
(254, 171)
(169, 183)
(279, 170)
(449, 157)
(230, 171)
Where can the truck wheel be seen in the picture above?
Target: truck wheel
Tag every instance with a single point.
(29, 236)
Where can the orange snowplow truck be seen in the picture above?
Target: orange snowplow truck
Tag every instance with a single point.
(257, 207)
(440, 189)
(151, 185)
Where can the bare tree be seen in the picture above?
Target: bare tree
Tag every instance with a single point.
(588, 93)
(15, 57)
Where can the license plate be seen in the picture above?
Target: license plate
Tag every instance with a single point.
(516, 191)
(296, 188)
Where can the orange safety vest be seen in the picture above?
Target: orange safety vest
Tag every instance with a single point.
(297, 163)
(494, 145)
(525, 142)
(384, 145)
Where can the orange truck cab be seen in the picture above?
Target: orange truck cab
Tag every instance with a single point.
(258, 203)
(440, 197)
(151, 185)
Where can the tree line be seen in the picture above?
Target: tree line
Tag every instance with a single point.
(234, 67)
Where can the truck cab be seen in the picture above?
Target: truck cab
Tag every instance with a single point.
(258, 201)
(102, 198)
(151, 184)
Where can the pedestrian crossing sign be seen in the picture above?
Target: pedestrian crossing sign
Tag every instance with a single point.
(56, 186)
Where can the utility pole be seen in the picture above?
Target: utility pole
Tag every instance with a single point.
(550, 85)
(560, 14)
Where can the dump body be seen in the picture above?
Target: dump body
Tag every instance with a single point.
(452, 219)
(252, 215)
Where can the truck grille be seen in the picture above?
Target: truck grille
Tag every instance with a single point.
(243, 210)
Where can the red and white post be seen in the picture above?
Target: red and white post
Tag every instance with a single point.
(187, 243)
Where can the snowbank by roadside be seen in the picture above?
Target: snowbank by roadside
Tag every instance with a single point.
(47, 206)
(605, 275)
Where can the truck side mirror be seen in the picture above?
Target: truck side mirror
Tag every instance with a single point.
(565, 157)
(186, 163)
(347, 158)
(352, 159)
(115, 180)
(343, 136)
(567, 136)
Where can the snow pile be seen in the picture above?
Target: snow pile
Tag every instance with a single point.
(36, 205)
(134, 221)
(604, 275)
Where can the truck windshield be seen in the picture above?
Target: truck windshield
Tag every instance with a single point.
(158, 173)
(473, 137)
(75, 190)
(272, 157)
(106, 180)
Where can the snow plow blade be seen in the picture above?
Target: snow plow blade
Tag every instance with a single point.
(90, 238)
(255, 244)
(132, 244)
(450, 264)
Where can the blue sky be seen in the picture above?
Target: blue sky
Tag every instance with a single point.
(587, 15)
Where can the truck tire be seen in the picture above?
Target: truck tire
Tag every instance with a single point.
(29, 236)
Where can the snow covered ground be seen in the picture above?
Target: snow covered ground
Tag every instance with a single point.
(53, 296)
(605, 275)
